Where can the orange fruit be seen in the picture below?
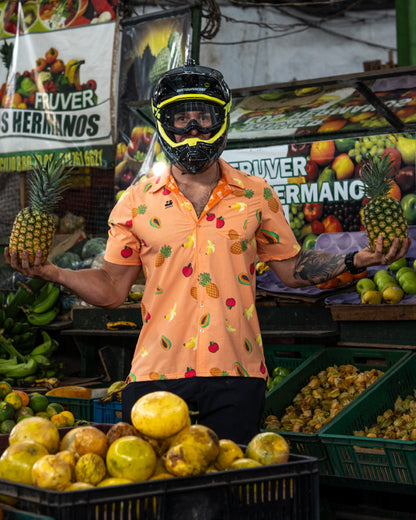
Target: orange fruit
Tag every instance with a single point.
(69, 416)
(322, 152)
(131, 457)
(229, 452)
(70, 458)
(5, 388)
(18, 459)
(59, 420)
(24, 397)
(332, 126)
(14, 399)
(395, 191)
(36, 429)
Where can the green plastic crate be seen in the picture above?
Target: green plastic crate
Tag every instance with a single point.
(373, 459)
(280, 397)
(80, 408)
(288, 356)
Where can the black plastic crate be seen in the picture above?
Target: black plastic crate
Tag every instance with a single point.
(285, 492)
(374, 459)
(279, 398)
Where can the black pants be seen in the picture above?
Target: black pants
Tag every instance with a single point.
(231, 406)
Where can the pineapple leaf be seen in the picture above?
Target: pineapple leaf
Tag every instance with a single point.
(377, 175)
(6, 52)
(47, 183)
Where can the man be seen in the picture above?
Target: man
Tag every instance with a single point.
(197, 231)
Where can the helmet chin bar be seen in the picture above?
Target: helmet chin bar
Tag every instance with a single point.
(194, 159)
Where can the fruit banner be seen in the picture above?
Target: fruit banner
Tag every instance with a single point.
(56, 96)
(319, 182)
(151, 45)
(323, 110)
(22, 17)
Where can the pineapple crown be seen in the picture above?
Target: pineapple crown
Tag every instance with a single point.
(6, 52)
(47, 183)
(377, 175)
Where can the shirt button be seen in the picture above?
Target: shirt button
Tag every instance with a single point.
(201, 304)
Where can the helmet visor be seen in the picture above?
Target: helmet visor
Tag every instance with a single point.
(182, 117)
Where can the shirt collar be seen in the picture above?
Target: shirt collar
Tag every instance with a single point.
(167, 180)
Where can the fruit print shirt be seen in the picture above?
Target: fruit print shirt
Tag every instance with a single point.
(198, 307)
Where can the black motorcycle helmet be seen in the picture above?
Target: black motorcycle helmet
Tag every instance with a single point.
(202, 91)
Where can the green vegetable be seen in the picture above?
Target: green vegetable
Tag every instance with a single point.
(26, 87)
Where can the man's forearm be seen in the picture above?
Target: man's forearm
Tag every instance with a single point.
(314, 267)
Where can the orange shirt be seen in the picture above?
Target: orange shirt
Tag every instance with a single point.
(198, 308)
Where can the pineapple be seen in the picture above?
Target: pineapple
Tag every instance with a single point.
(271, 201)
(383, 214)
(212, 290)
(34, 226)
(165, 252)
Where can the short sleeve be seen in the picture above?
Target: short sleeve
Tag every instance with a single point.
(275, 238)
(123, 246)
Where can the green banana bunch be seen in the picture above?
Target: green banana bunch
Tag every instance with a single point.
(24, 296)
(23, 369)
(46, 299)
(44, 318)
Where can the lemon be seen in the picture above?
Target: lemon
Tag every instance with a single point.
(392, 294)
(371, 297)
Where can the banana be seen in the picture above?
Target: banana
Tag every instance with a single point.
(21, 369)
(45, 348)
(47, 302)
(41, 360)
(115, 387)
(44, 318)
(121, 325)
(2, 299)
(8, 324)
(9, 298)
(72, 71)
(25, 294)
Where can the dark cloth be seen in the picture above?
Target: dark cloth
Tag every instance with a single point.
(231, 406)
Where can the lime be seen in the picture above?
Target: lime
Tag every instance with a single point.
(57, 406)
(6, 411)
(7, 426)
(24, 411)
(42, 414)
(38, 402)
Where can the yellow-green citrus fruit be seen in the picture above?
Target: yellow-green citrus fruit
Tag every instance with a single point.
(159, 414)
(18, 459)
(268, 448)
(36, 429)
(131, 457)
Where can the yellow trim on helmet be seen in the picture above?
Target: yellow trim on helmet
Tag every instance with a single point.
(190, 97)
(191, 141)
